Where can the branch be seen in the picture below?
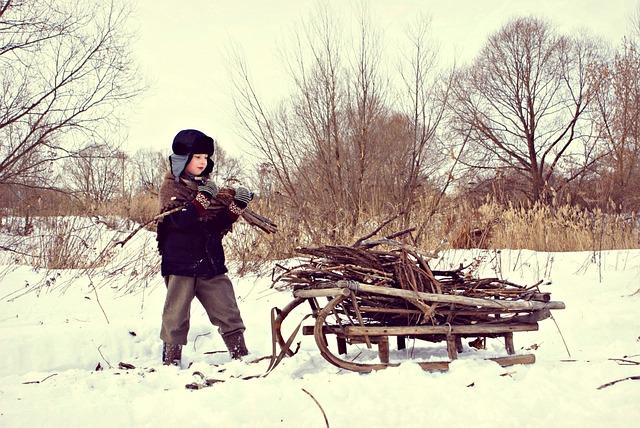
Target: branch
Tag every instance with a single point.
(156, 218)
(326, 421)
(608, 384)
(50, 376)
(369, 235)
(4, 7)
(3, 248)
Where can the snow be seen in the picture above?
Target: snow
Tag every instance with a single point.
(58, 334)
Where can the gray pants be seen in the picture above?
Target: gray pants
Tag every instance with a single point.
(216, 295)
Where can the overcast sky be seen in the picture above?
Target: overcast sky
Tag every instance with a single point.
(181, 47)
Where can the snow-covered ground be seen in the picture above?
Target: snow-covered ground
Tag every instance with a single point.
(58, 335)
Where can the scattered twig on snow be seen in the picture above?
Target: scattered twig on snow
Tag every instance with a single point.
(559, 331)
(204, 383)
(196, 339)
(625, 362)
(257, 360)
(125, 366)
(98, 299)
(214, 352)
(105, 360)
(326, 421)
(39, 381)
(618, 380)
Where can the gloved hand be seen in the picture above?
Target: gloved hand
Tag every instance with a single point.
(209, 189)
(243, 197)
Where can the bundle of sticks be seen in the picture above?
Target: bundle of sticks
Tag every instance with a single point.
(261, 222)
(396, 286)
(225, 196)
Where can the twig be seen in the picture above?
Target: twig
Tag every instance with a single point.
(624, 362)
(40, 381)
(384, 223)
(559, 331)
(3, 248)
(618, 380)
(402, 232)
(326, 421)
(98, 300)
(105, 360)
(257, 360)
(196, 339)
(156, 218)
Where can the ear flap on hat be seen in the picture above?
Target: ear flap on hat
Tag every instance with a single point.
(178, 163)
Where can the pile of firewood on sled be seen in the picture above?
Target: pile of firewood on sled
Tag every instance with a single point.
(383, 287)
(402, 267)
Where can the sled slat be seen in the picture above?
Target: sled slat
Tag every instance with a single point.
(439, 329)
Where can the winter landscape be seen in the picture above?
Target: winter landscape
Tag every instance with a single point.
(62, 348)
(436, 171)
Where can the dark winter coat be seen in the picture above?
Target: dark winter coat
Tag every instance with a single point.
(190, 240)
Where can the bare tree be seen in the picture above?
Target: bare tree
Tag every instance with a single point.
(426, 93)
(522, 104)
(635, 23)
(336, 150)
(303, 139)
(150, 167)
(333, 146)
(618, 112)
(367, 110)
(64, 69)
(319, 113)
(226, 169)
(95, 173)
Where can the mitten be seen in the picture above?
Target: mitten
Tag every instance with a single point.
(209, 189)
(206, 192)
(242, 197)
(240, 200)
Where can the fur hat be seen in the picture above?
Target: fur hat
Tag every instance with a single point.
(186, 143)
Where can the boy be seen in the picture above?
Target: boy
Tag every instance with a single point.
(190, 243)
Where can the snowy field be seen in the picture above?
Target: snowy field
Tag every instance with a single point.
(54, 339)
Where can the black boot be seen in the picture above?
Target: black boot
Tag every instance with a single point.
(171, 354)
(235, 345)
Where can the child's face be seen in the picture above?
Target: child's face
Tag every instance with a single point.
(197, 164)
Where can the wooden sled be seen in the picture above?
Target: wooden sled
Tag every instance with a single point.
(346, 312)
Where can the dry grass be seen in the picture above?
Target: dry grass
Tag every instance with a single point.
(541, 228)
(52, 242)
(460, 225)
(565, 228)
(67, 242)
